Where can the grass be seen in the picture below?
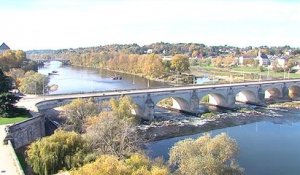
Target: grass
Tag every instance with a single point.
(21, 115)
(240, 70)
(7, 120)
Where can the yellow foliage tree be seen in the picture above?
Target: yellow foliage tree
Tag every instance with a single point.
(137, 164)
(206, 156)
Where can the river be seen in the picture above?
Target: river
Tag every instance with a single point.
(265, 147)
(72, 79)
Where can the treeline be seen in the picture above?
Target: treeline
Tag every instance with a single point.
(168, 49)
(23, 72)
(149, 65)
(16, 59)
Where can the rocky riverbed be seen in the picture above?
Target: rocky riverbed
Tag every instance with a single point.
(172, 124)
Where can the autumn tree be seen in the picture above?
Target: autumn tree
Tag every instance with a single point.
(137, 164)
(123, 108)
(78, 111)
(7, 99)
(180, 63)
(228, 60)
(12, 59)
(206, 155)
(33, 83)
(153, 66)
(217, 62)
(62, 150)
(114, 136)
(16, 74)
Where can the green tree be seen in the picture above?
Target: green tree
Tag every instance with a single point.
(180, 63)
(62, 150)
(78, 111)
(7, 99)
(206, 156)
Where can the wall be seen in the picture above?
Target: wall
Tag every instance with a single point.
(26, 132)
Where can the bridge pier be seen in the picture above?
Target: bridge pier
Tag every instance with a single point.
(285, 92)
(261, 96)
(194, 102)
(148, 109)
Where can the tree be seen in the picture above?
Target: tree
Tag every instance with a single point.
(16, 74)
(180, 63)
(7, 99)
(78, 111)
(12, 59)
(137, 164)
(62, 150)
(122, 108)
(217, 62)
(153, 66)
(34, 83)
(113, 136)
(206, 155)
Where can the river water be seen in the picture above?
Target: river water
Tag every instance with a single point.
(77, 79)
(266, 148)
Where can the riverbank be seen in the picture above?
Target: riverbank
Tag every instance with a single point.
(181, 125)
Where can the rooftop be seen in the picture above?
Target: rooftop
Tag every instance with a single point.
(4, 47)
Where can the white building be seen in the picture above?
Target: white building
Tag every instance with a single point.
(282, 61)
(263, 59)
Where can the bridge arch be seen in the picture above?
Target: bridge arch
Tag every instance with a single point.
(294, 92)
(246, 96)
(137, 110)
(215, 99)
(273, 93)
(174, 102)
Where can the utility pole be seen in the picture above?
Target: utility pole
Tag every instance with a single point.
(35, 88)
(259, 76)
(43, 87)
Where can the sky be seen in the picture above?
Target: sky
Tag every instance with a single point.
(58, 24)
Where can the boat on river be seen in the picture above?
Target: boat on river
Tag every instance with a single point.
(53, 73)
(117, 77)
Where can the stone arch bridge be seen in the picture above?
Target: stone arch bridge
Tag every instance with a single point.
(185, 98)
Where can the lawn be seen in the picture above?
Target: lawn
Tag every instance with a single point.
(19, 118)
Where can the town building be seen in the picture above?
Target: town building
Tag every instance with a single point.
(243, 59)
(3, 48)
(263, 59)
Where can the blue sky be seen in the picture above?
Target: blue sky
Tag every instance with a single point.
(54, 24)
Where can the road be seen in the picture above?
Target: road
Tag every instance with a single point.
(7, 164)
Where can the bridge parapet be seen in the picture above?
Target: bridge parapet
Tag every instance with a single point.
(187, 98)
